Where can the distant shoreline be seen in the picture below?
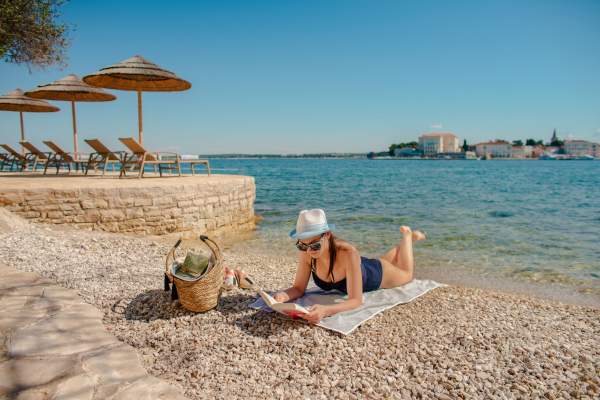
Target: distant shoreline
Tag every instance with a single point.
(364, 157)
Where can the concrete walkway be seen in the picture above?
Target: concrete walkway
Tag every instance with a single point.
(54, 346)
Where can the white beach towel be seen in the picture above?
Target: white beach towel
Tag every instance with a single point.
(374, 303)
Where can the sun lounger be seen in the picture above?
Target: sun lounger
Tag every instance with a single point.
(140, 157)
(14, 158)
(60, 158)
(196, 161)
(102, 156)
(36, 156)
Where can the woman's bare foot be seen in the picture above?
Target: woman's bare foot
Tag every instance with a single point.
(416, 235)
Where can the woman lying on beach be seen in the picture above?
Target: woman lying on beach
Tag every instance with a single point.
(336, 264)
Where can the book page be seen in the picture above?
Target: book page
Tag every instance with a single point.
(291, 309)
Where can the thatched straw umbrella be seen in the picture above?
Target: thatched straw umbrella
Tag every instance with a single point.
(71, 88)
(17, 101)
(138, 74)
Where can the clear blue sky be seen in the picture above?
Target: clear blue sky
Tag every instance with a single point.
(316, 76)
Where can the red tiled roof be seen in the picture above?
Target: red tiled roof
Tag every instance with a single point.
(494, 142)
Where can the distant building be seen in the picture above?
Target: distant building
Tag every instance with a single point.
(551, 149)
(521, 152)
(434, 143)
(581, 148)
(554, 138)
(537, 151)
(495, 149)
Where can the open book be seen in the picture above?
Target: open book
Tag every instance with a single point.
(291, 309)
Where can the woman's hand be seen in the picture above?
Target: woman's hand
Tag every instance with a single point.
(281, 297)
(316, 314)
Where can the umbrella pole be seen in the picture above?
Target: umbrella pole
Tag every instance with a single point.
(73, 114)
(22, 132)
(140, 127)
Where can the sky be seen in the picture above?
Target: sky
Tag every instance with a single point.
(329, 76)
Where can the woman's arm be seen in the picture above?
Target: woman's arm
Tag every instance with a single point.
(351, 259)
(300, 282)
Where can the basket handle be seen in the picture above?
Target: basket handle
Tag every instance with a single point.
(212, 245)
(171, 255)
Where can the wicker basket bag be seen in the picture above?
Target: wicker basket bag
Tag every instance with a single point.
(199, 294)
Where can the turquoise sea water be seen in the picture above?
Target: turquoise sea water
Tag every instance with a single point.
(532, 220)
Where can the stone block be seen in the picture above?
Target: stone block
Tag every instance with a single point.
(148, 388)
(108, 226)
(173, 212)
(111, 215)
(191, 210)
(116, 364)
(69, 206)
(184, 196)
(31, 214)
(89, 215)
(142, 201)
(45, 207)
(132, 224)
(152, 211)
(55, 214)
(73, 213)
(135, 212)
(26, 373)
(165, 201)
(117, 202)
(80, 387)
(68, 332)
(7, 198)
(87, 204)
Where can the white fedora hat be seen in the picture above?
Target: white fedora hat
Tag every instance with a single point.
(311, 223)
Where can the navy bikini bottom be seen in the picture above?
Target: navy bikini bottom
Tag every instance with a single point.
(372, 273)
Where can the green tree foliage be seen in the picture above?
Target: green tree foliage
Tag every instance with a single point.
(31, 34)
(465, 146)
(533, 142)
(557, 143)
(393, 147)
(517, 142)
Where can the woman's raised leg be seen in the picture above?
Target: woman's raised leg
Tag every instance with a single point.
(398, 263)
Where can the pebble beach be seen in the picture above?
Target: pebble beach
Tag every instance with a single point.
(454, 342)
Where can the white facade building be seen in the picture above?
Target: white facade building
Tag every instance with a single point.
(581, 148)
(495, 149)
(521, 152)
(434, 143)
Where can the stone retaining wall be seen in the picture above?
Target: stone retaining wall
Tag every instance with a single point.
(199, 205)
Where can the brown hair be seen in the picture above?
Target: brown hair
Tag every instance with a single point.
(332, 255)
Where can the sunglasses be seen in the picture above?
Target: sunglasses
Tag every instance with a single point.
(314, 246)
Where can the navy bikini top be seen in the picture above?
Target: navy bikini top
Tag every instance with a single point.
(339, 285)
